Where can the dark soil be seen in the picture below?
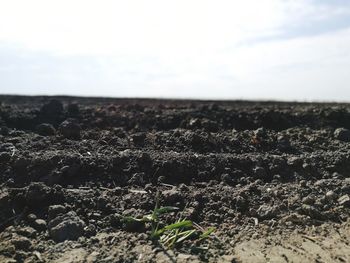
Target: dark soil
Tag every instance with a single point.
(273, 178)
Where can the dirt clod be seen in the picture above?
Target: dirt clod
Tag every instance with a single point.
(70, 129)
(66, 227)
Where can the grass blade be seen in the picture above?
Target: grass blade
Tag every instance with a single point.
(181, 224)
(207, 233)
(185, 235)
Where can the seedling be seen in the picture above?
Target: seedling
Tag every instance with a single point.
(172, 234)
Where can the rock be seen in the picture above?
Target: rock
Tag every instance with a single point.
(70, 129)
(52, 108)
(55, 210)
(342, 134)
(45, 129)
(267, 212)
(66, 227)
(40, 224)
(37, 194)
(344, 200)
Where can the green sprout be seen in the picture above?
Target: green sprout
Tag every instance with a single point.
(172, 234)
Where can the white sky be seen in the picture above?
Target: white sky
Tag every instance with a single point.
(223, 49)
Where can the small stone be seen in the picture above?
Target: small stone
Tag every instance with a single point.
(40, 224)
(342, 134)
(344, 200)
(70, 129)
(45, 129)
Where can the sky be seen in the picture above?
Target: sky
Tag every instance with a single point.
(203, 49)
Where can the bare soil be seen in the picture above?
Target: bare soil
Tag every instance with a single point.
(273, 178)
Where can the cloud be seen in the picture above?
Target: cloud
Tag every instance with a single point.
(205, 49)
